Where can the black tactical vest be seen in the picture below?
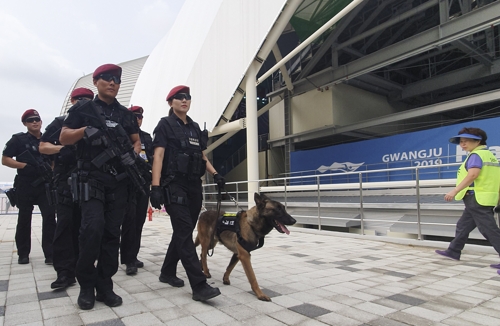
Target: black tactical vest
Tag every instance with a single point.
(181, 157)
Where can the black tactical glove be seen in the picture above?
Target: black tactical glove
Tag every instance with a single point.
(128, 158)
(67, 154)
(156, 197)
(92, 135)
(219, 180)
(497, 209)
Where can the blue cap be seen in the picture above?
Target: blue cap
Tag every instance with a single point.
(456, 139)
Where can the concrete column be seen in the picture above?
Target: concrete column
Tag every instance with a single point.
(252, 133)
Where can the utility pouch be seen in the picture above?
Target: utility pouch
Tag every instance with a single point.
(11, 194)
(166, 196)
(183, 163)
(73, 183)
(199, 165)
(84, 191)
(51, 194)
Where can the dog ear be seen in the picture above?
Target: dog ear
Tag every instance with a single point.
(259, 201)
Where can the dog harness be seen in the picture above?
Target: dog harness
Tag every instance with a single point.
(231, 222)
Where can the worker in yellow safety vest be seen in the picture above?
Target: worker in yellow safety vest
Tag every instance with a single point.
(478, 185)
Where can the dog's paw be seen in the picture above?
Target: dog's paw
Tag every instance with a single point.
(264, 297)
(207, 275)
(226, 282)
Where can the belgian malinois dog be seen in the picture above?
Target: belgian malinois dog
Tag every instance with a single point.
(251, 228)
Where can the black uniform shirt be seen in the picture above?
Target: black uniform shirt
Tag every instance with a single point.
(51, 135)
(164, 136)
(81, 115)
(18, 144)
(52, 132)
(115, 112)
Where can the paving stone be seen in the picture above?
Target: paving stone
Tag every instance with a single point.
(406, 299)
(426, 313)
(4, 285)
(270, 293)
(382, 321)
(212, 318)
(344, 281)
(111, 322)
(73, 320)
(309, 310)
(299, 255)
(52, 295)
(337, 319)
(288, 317)
(398, 274)
(349, 269)
(346, 262)
(478, 318)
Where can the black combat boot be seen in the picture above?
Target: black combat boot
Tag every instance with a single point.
(86, 298)
(110, 298)
(203, 292)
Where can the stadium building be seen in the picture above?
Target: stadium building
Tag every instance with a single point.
(309, 87)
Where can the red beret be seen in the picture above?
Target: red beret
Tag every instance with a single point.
(108, 68)
(29, 113)
(177, 89)
(137, 109)
(82, 92)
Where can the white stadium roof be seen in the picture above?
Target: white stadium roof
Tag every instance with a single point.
(209, 48)
(130, 72)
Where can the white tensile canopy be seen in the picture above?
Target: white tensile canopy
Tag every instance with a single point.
(209, 48)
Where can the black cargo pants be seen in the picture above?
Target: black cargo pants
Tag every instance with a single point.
(65, 246)
(27, 197)
(100, 234)
(183, 218)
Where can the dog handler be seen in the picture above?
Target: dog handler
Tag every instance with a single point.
(478, 183)
(179, 163)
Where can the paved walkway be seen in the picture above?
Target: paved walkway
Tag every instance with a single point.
(314, 278)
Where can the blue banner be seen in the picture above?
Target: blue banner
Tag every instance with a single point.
(421, 148)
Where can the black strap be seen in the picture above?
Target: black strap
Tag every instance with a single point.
(248, 246)
(178, 200)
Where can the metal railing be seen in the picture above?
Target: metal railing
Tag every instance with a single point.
(7, 208)
(321, 193)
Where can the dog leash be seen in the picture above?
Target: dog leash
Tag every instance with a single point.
(219, 204)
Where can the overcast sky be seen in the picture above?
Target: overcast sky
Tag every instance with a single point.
(46, 45)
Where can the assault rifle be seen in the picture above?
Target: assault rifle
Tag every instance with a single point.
(145, 169)
(117, 144)
(44, 171)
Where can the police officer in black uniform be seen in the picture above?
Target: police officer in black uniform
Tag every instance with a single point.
(30, 186)
(135, 215)
(102, 182)
(178, 167)
(65, 245)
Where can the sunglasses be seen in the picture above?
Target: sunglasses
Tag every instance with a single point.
(181, 96)
(109, 78)
(31, 120)
(139, 116)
